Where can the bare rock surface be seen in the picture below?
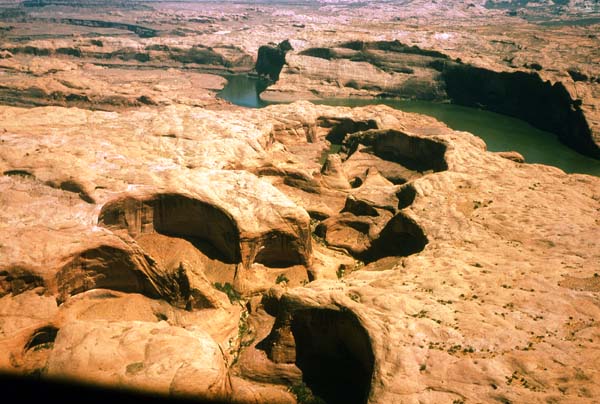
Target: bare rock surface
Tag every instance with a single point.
(520, 52)
(474, 286)
(156, 238)
(151, 352)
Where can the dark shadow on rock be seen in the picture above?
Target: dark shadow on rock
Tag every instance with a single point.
(17, 279)
(524, 95)
(334, 352)
(406, 196)
(33, 389)
(401, 237)
(104, 267)
(279, 250)
(414, 153)
(340, 127)
(41, 337)
(178, 216)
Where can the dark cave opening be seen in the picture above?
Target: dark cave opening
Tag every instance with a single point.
(334, 352)
(279, 250)
(418, 154)
(103, 267)
(402, 236)
(189, 218)
(206, 226)
(42, 338)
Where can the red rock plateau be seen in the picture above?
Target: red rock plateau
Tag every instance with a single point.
(156, 239)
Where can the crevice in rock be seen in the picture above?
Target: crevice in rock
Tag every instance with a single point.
(161, 316)
(356, 182)
(103, 295)
(361, 237)
(359, 51)
(179, 216)
(17, 279)
(406, 196)
(359, 207)
(20, 173)
(142, 32)
(401, 236)
(74, 187)
(36, 352)
(183, 284)
(340, 127)
(104, 267)
(334, 352)
(279, 250)
(576, 75)
(279, 345)
(321, 53)
(412, 152)
(398, 157)
(316, 215)
(392, 46)
(42, 338)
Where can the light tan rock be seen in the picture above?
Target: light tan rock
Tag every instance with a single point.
(245, 219)
(144, 356)
(512, 155)
(497, 303)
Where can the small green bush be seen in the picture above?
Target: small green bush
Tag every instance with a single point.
(281, 278)
(304, 394)
(228, 289)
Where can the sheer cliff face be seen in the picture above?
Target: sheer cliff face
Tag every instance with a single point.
(526, 96)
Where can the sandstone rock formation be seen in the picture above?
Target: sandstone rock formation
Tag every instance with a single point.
(156, 239)
(517, 56)
(491, 248)
(399, 70)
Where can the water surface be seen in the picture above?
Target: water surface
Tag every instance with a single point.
(500, 132)
(243, 90)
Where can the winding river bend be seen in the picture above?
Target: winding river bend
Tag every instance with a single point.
(500, 132)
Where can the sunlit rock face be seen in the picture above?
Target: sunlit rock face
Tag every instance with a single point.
(155, 239)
